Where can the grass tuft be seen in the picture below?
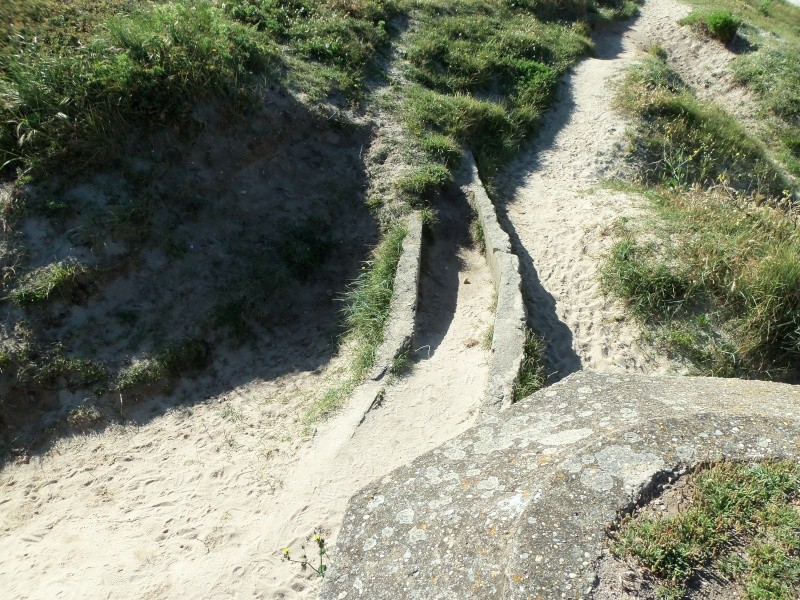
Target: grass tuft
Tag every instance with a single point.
(173, 360)
(532, 376)
(422, 185)
(741, 521)
(718, 24)
(59, 279)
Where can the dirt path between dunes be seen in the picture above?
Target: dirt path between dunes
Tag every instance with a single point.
(198, 502)
(560, 219)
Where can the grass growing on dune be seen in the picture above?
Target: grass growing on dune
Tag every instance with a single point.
(719, 273)
(682, 141)
(741, 522)
(720, 277)
(484, 71)
(771, 68)
(367, 309)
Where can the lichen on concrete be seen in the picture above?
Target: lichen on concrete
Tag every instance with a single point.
(517, 506)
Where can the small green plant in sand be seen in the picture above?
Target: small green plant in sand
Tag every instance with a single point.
(304, 561)
(740, 523)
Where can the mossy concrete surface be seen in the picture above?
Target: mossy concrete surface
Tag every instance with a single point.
(517, 506)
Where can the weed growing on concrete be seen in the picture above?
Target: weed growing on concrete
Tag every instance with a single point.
(369, 298)
(741, 522)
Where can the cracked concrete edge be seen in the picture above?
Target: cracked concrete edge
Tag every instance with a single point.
(508, 340)
(398, 334)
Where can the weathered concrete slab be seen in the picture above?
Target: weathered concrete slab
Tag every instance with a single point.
(516, 507)
(508, 339)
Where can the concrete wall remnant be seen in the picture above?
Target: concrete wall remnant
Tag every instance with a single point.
(508, 341)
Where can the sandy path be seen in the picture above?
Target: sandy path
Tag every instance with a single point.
(435, 401)
(198, 502)
(559, 220)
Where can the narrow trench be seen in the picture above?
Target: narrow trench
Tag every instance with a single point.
(449, 365)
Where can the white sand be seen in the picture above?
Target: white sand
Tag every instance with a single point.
(197, 503)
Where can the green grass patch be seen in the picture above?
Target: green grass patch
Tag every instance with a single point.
(532, 376)
(57, 280)
(771, 68)
(172, 360)
(718, 24)
(682, 141)
(477, 234)
(422, 185)
(486, 70)
(741, 522)
(366, 312)
(76, 77)
(722, 275)
(369, 298)
(70, 102)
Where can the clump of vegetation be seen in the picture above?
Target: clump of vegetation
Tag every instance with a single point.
(716, 250)
(741, 522)
(774, 73)
(771, 68)
(366, 311)
(719, 24)
(682, 141)
(532, 376)
(477, 234)
(424, 183)
(84, 416)
(74, 101)
(460, 55)
(369, 298)
(305, 562)
(172, 360)
(58, 279)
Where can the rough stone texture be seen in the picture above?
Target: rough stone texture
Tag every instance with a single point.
(508, 341)
(399, 331)
(516, 507)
